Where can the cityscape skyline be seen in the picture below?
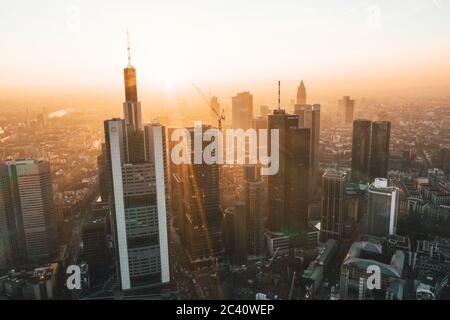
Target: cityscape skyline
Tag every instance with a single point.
(338, 198)
(378, 42)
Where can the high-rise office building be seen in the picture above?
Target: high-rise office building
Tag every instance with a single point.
(333, 205)
(8, 212)
(26, 206)
(138, 204)
(379, 149)
(234, 229)
(309, 117)
(133, 115)
(137, 169)
(370, 150)
(259, 123)
(304, 112)
(301, 94)
(95, 249)
(288, 190)
(442, 160)
(347, 107)
(242, 111)
(361, 150)
(202, 213)
(315, 138)
(255, 209)
(102, 166)
(175, 187)
(382, 208)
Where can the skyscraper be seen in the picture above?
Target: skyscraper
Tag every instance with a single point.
(382, 208)
(379, 149)
(102, 165)
(95, 249)
(259, 123)
(333, 205)
(242, 111)
(315, 138)
(137, 169)
(288, 190)
(309, 117)
(234, 228)
(202, 214)
(301, 94)
(255, 209)
(304, 113)
(361, 150)
(138, 205)
(370, 150)
(27, 197)
(131, 106)
(133, 115)
(8, 212)
(347, 107)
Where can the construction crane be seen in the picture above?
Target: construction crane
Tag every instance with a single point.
(291, 292)
(272, 258)
(213, 103)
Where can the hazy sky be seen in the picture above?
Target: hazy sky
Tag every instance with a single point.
(224, 46)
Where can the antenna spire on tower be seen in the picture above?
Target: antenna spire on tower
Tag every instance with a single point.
(279, 90)
(128, 49)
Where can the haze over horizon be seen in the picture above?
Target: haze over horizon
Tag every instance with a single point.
(72, 53)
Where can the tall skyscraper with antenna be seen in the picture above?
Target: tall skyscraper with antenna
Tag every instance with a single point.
(132, 112)
(137, 173)
(131, 106)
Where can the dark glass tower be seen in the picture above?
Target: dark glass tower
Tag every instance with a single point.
(361, 150)
(255, 209)
(379, 150)
(8, 211)
(370, 150)
(333, 205)
(288, 190)
(202, 214)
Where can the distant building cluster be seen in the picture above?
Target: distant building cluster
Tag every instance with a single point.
(358, 210)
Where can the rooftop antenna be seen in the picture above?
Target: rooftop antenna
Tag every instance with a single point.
(279, 90)
(128, 49)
